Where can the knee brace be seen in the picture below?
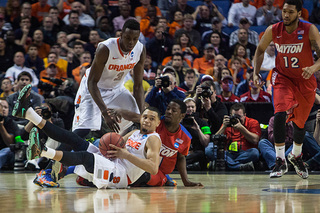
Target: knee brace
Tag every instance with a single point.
(298, 134)
(279, 127)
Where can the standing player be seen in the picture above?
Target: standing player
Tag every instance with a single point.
(292, 79)
(102, 85)
(140, 155)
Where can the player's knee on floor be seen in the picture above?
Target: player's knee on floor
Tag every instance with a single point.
(298, 134)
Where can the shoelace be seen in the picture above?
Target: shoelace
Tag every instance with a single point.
(299, 162)
(278, 164)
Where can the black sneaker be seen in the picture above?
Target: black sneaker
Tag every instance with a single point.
(247, 166)
(279, 169)
(23, 102)
(299, 165)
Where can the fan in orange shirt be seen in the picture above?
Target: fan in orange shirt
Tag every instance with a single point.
(177, 23)
(141, 12)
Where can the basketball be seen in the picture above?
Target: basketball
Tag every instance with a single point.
(110, 138)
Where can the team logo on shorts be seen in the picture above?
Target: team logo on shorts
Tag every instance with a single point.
(176, 145)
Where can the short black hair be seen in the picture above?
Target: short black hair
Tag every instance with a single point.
(177, 54)
(297, 3)
(25, 73)
(131, 24)
(73, 11)
(153, 109)
(190, 71)
(183, 106)
(237, 107)
(209, 84)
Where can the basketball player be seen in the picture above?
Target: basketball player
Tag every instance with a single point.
(293, 81)
(102, 86)
(140, 155)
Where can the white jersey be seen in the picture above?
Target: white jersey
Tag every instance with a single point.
(136, 145)
(118, 64)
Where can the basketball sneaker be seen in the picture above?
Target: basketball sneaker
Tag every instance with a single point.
(35, 146)
(84, 182)
(23, 102)
(58, 171)
(44, 179)
(279, 169)
(299, 165)
(170, 181)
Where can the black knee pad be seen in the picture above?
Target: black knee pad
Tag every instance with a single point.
(279, 127)
(298, 134)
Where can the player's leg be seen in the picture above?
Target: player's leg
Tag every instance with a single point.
(279, 132)
(295, 156)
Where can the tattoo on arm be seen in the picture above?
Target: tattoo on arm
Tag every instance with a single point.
(315, 46)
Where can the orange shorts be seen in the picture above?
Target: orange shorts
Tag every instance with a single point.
(295, 96)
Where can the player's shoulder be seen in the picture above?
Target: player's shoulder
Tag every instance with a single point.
(184, 132)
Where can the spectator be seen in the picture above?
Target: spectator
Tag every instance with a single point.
(141, 12)
(54, 58)
(227, 86)
(243, 86)
(33, 61)
(253, 36)
(62, 40)
(200, 132)
(255, 94)
(85, 61)
(240, 55)
(62, 63)
(203, 19)
(240, 10)
(118, 21)
(219, 63)
(57, 22)
(149, 71)
(190, 81)
(189, 50)
(224, 72)
(180, 6)
(165, 5)
(11, 46)
(161, 95)
(243, 136)
(91, 9)
(18, 67)
(194, 35)
(40, 9)
(49, 33)
(5, 59)
(104, 28)
(129, 84)
(23, 35)
(150, 22)
(215, 11)
(8, 132)
(78, 49)
(215, 39)
(176, 48)
(38, 40)
(26, 12)
(179, 70)
(176, 24)
(84, 19)
(2, 31)
(92, 45)
(216, 24)
(243, 40)
(6, 87)
(269, 62)
(268, 14)
(201, 65)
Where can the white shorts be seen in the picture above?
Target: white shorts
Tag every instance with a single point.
(87, 113)
(106, 173)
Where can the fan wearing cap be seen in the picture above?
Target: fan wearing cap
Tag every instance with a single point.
(227, 95)
(201, 65)
(51, 71)
(239, 10)
(253, 36)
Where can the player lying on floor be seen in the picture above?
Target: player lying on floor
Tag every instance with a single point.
(128, 165)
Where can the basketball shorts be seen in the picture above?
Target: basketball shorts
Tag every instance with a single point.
(157, 180)
(106, 173)
(294, 96)
(87, 113)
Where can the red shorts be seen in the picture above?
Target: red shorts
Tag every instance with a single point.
(296, 95)
(158, 180)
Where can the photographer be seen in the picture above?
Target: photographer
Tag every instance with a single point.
(8, 131)
(243, 135)
(163, 92)
(200, 132)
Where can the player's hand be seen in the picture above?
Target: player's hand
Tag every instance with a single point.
(307, 72)
(118, 152)
(192, 184)
(257, 81)
(116, 114)
(111, 121)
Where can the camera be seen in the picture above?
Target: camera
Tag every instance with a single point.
(188, 120)
(206, 92)
(45, 113)
(220, 141)
(56, 81)
(45, 86)
(234, 119)
(165, 81)
(1, 117)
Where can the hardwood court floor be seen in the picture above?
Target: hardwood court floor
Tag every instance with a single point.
(225, 192)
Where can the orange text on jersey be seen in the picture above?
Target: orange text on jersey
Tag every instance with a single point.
(121, 67)
(133, 144)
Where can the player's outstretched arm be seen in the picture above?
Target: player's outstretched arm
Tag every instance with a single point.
(182, 168)
(138, 71)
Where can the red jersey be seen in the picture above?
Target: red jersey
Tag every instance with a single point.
(232, 98)
(293, 50)
(263, 97)
(172, 143)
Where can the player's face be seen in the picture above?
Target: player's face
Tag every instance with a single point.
(129, 38)
(149, 121)
(173, 113)
(290, 15)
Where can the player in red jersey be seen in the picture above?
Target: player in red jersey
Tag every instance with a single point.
(292, 79)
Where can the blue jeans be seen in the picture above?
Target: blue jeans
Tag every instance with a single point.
(235, 159)
(311, 146)
(210, 152)
(6, 157)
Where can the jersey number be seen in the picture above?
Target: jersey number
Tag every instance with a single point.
(294, 62)
(119, 76)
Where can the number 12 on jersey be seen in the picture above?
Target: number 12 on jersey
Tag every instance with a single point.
(291, 62)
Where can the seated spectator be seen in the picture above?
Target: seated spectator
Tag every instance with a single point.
(238, 73)
(176, 48)
(255, 94)
(216, 24)
(84, 19)
(9, 130)
(180, 6)
(219, 63)
(149, 24)
(240, 53)
(43, 48)
(6, 60)
(77, 50)
(164, 92)
(268, 14)
(179, 70)
(62, 40)
(85, 61)
(92, 45)
(58, 58)
(190, 81)
(215, 11)
(118, 21)
(243, 40)
(165, 5)
(26, 12)
(6, 87)
(243, 86)
(98, 4)
(129, 84)
(149, 71)
(40, 9)
(200, 132)
(53, 58)
(176, 24)
(240, 10)
(23, 35)
(189, 51)
(57, 22)
(269, 62)
(201, 65)
(142, 11)
(202, 18)
(194, 35)
(13, 72)
(104, 29)
(253, 36)
(227, 86)
(217, 81)
(2, 31)
(215, 39)
(33, 61)
(11, 46)
(49, 33)
(243, 136)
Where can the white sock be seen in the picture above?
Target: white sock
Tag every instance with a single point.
(50, 153)
(296, 150)
(280, 152)
(32, 116)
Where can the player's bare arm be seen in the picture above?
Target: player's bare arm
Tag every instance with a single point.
(138, 71)
(182, 168)
(99, 61)
(314, 38)
(259, 54)
(152, 149)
